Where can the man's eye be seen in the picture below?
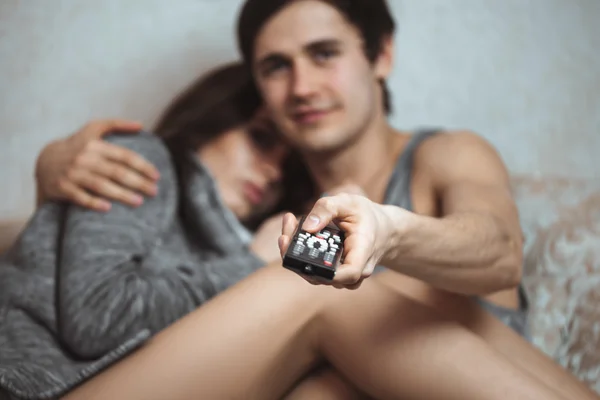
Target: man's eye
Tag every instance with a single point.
(274, 67)
(325, 54)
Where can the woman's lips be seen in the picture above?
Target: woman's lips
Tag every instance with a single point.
(254, 193)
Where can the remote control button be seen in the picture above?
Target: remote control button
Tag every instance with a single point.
(298, 248)
(317, 244)
(337, 239)
(314, 253)
(321, 245)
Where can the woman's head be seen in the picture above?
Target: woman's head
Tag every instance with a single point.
(220, 117)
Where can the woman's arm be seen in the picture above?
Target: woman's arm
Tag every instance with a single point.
(108, 290)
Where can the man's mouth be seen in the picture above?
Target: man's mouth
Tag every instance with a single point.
(310, 116)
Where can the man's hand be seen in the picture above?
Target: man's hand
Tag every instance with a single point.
(365, 224)
(90, 172)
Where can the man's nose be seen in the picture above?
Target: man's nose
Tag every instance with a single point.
(304, 81)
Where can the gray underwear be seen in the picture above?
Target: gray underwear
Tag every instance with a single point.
(516, 319)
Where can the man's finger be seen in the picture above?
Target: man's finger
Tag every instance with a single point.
(356, 285)
(347, 275)
(283, 242)
(328, 208)
(311, 280)
(350, 271)
(106, 188)
(80, 197)
(121, 174)
(128, 158)
(368, 269)
(289, 225)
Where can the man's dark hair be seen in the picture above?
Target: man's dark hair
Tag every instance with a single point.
(372, 18)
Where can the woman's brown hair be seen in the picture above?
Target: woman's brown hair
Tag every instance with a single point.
(224, 99)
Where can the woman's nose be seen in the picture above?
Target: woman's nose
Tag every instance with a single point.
(272, 165)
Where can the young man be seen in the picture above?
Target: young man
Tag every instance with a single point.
(321, 67)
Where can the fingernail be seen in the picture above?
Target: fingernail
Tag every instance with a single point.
(138, 200)
(311, 222)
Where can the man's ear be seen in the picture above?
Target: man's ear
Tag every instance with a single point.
(385, 60)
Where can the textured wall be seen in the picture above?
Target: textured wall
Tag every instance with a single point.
(525, 73)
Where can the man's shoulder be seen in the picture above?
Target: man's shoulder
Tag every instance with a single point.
(447, 145)
(453, 140)
(456, 151)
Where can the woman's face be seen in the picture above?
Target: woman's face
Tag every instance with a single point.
(246, 164)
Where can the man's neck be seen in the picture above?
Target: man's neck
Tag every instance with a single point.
(368, 162)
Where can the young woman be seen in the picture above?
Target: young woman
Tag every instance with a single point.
(81, 288)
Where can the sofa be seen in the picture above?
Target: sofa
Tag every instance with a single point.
(561, 222)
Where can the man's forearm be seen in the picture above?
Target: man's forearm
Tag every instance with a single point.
(39, 195)
(469, 253)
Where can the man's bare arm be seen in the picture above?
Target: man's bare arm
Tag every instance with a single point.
(475, 246)
(86, 170)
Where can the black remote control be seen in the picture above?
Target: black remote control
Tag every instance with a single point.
(315, 254)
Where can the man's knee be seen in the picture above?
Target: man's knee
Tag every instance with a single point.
(325, 383)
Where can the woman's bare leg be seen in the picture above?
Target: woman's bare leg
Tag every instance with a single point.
(260, 337)
(493, 331)
(253, 341)
(325, 383)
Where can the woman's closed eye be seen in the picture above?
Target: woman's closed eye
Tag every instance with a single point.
(263, 139)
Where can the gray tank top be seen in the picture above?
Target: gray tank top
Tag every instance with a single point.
(398, 193)
(398, 190)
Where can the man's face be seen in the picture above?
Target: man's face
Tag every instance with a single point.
(310, 66)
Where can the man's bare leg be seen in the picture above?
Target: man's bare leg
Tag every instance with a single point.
(256, 340)
(493, 331)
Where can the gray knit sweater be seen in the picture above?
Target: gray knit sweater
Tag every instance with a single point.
(80, 289)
